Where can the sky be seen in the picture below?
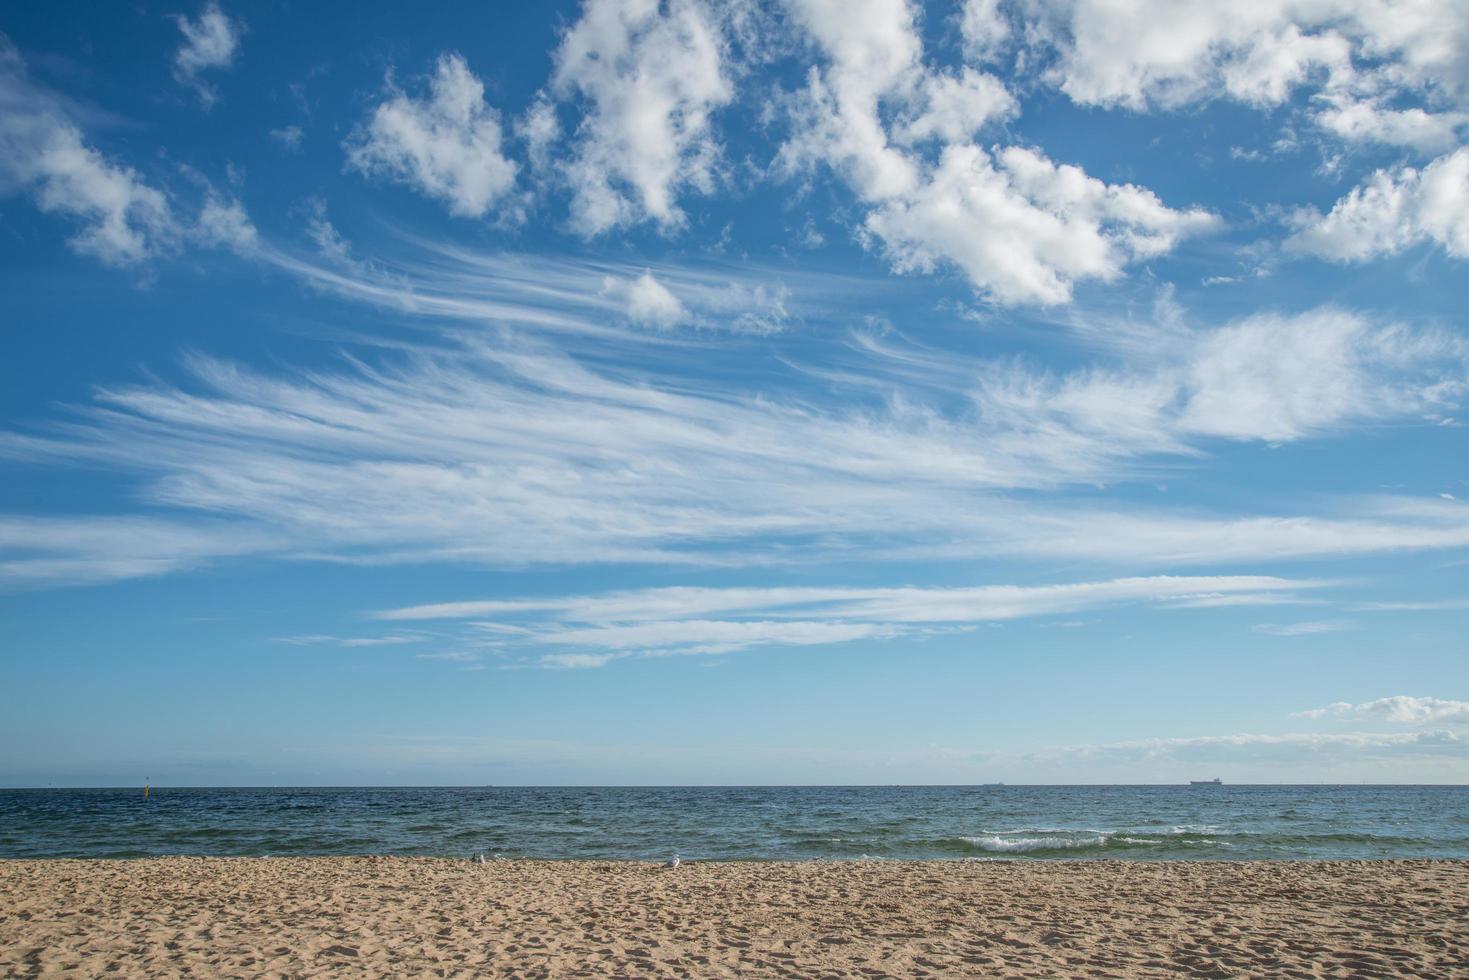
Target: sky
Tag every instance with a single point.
(797, 391)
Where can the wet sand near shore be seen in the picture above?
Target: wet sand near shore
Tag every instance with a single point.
(431, 917)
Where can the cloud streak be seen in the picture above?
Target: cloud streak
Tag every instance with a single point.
(503, 452)
(1400, 709)
(686, 620)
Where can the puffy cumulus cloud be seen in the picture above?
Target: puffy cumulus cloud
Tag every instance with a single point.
(1024, 229)
(1021, 228)
(648, 76)
(223, 222)
(210, 41)
(124, 220)
(1151, 53)
(1360, 57)
(873, 54)
(1401, 709)
(956, 107)
(1413, 127)
(447, 145)
(646, 300)
(1393, 210)
(985, 29)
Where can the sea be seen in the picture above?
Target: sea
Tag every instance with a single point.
(747, 823)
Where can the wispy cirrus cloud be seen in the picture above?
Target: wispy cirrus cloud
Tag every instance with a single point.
(475, 449)
(593, 630)
(906, 604)
(1308, 628)
(350, 642)
(592, 297)
(39, 551)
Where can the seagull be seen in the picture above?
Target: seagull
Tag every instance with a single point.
(671, 862)
(480, 857)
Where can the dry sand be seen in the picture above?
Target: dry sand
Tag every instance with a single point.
(415, 916)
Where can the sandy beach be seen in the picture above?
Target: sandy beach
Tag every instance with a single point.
(416, 916)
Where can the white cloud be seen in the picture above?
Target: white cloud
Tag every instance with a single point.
(1159, 53)
(1393, 210)
(985, 603)
(40, 551)
(540, 128)
(680, 620)
(956, 107)
(223, 222)
(446, 146)
(1431, 605)
(1280, 378)
(1020, 227)
(650, 75)
(557, 294)
(704, 636)
(480, 451)
(1024, 229)
(1413, 127)
(1302, 629)
(125, 220)
(210, 41)
(576, 661)
(1402, 709)
(1295, 749)
(1393, 72)
(985, 29)
(646, 300)
(348, 642)
(288, 137)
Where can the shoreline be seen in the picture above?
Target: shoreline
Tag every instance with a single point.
(332, 916)
(689, 862)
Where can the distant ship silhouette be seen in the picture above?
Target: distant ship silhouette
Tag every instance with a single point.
(1216, 781)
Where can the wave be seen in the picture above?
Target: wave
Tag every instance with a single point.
(1026, 841)
(991, 842)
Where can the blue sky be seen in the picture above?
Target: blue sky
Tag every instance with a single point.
(787, 392)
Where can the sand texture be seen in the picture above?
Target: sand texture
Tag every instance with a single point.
(414, 916)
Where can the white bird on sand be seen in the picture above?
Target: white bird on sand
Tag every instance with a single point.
(480, 857)
(672, 862)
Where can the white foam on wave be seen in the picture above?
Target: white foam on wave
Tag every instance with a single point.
(990, 842)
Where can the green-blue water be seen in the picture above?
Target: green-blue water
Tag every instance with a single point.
(748, 823)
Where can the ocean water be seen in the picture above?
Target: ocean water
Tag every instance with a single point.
(748, 823)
